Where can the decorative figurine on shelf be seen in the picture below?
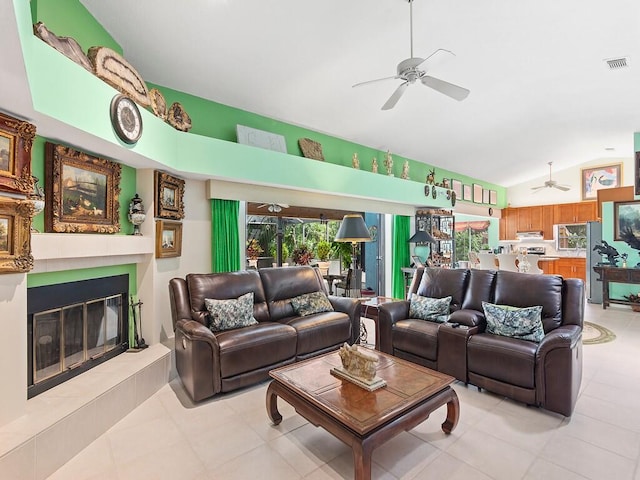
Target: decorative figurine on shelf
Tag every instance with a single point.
(431, 177)
(136, 214)
(405, 170)
(388, 163)
(610, 252)
(374, 165)
(355, 162)
(37, 199)
(624, 259)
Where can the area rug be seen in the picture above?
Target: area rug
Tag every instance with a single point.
(593, 334)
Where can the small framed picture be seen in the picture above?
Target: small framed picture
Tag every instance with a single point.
(493, 197)
(477, 193)
(168, 239)
(169, 198)
(485, 196)
(456, 186)
(467, 193)
(16, 139)
(15, 235)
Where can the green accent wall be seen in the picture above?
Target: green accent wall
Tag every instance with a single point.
(76, 100)
(127, 186)
(69, 18)
(54, 278)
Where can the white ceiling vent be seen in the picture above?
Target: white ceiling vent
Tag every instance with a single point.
(617, 63)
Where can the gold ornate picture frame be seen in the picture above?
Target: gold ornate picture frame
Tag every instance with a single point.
(15, 235)
(168, 239)
(169, 198)
(82, 192)
(16, 140)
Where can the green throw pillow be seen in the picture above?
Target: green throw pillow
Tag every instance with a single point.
(232, 313)
(523, 323)
(432, 309)
(311, 303)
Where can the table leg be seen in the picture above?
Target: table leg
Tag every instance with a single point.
(362, 460)
(272, 405)
(453, 413)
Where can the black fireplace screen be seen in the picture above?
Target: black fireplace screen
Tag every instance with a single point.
(69, 334)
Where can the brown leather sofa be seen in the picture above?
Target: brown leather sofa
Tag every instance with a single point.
(209, 363)
(546, 374)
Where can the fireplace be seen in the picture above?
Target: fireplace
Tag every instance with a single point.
(73, 327)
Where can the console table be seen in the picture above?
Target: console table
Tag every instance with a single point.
(609, 275)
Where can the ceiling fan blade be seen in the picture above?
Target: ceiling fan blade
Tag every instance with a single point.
(374, 81)
(535, 189)
(437, 58)
(393, 99)
(564, 188)
(446, 88)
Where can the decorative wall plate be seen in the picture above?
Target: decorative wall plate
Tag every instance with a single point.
(311, 149)
(158, 103)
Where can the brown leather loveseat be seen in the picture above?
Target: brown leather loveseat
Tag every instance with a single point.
(546, 374)
(209, 363)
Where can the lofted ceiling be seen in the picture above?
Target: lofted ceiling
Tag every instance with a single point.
(540, 90)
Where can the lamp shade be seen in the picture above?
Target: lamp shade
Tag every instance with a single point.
(353, 229)
(421, 237)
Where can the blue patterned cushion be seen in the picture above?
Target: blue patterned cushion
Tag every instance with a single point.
(232, 313)
(523, 323)
(432, 309)
(311, 303)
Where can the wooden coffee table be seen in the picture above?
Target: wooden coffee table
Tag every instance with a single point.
(363, 420)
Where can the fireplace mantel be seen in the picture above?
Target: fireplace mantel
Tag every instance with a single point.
(64, 251)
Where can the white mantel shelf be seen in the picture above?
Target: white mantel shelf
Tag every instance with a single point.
(64, 251)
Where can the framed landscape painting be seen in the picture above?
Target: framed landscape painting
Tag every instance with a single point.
(626, 222)
(82, 192)
(169, 197)
(599, 178)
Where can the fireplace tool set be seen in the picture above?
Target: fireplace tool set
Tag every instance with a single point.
(136, 313)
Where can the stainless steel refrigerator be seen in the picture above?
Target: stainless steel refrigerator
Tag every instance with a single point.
(593, 286)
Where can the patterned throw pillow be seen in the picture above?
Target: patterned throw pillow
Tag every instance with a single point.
(311, 303)
(232, 313)
(523, 323)
(432, 309)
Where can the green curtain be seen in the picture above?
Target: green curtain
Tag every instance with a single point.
(400, 255)
(225, 238)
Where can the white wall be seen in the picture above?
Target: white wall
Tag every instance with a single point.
(521, 195)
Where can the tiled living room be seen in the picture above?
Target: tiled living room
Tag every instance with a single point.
(231, 437)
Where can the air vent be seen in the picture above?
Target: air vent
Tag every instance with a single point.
(617, 63)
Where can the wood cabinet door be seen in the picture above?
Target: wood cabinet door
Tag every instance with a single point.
(529, 218)
(547, 222)
(508, 224)
(586, 212)
(547, 266)
(571, 267)
(564, 213)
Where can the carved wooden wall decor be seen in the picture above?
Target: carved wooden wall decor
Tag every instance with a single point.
(178, 118)
(68, 46)
(15, 235)
(311, 149)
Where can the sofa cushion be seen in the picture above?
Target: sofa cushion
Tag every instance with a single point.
(231, 313)
(432, 309)
(444, 282)
(416, 337)
(283, 284)
(320, 331)
(522, 323)
(310, 303)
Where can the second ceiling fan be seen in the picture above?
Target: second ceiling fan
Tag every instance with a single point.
(416, 68)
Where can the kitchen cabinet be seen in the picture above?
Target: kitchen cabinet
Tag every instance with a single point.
(547, 266)
(527, 219)
(580, 212)
(571, 267)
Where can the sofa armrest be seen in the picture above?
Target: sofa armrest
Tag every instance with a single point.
(566, 336)
(388, 314)
(351, 307)
(470, 318)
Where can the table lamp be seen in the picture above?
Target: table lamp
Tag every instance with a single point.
(422, 237)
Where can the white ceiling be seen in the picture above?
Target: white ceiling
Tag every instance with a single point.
(540, 90)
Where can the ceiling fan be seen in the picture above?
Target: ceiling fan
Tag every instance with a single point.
(274, 207)
(409, 71)
(551, 184)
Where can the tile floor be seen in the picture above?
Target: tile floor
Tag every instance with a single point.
(230, 437)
